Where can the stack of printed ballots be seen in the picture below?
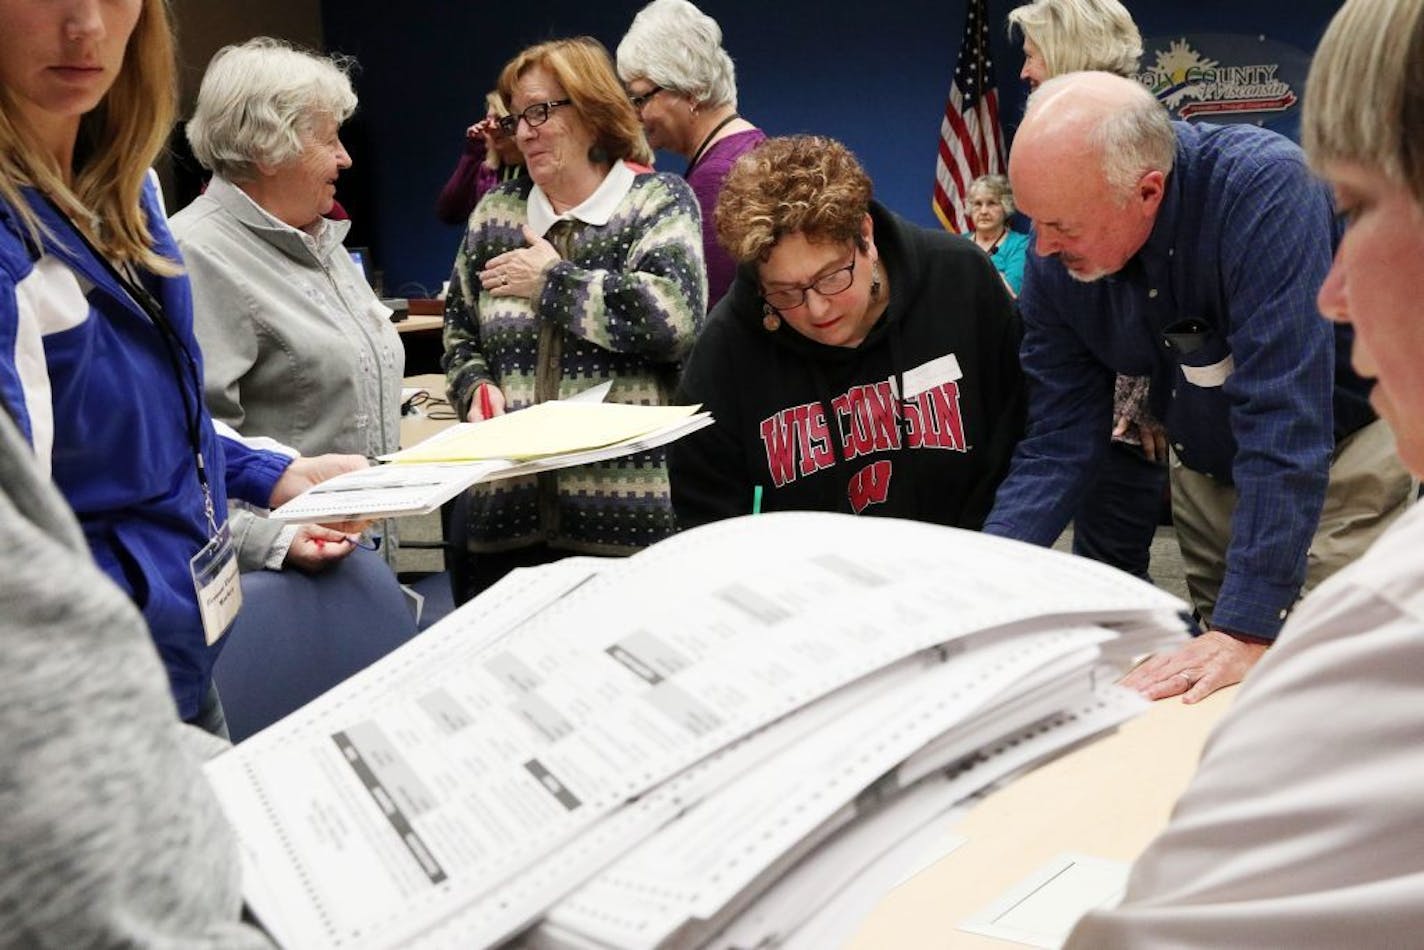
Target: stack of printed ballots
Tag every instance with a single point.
(550, 435)
(705, 744)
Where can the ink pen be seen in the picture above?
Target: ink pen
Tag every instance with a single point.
(485, 408)
(756, 500)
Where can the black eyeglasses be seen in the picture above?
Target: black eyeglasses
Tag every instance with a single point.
(789, 298)
(536, 115)
(642, 98)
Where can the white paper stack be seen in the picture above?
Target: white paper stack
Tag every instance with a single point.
(648, 756)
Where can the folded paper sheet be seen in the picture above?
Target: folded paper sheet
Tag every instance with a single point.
(550, 428)
(414, 488)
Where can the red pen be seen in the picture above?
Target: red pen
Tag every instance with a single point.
(485, 408)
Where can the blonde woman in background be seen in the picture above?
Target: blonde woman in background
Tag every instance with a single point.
(1065, 36)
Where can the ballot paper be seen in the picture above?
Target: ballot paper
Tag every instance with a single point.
(824, 899)
(384, 491)
(408, 487)
(677, 886)
(453, 793)
(686, 883)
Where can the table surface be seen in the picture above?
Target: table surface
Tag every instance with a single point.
(420, 324)
(1107, 799)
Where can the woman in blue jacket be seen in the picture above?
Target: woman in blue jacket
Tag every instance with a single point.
(98, 362)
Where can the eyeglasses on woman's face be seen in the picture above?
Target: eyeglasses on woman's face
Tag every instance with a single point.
(535, 115)
(789, 298)
(640, 99)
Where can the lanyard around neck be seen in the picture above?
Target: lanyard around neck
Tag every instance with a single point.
(178, 354)
(697, 155)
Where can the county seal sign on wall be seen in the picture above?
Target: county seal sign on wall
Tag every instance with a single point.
(1227, 77)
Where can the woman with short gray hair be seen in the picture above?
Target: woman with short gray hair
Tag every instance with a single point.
(991, 205)
(260, 100)
(297, 346)
(684, 87)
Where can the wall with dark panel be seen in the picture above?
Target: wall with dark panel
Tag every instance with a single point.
(873, 74)
(204, 27)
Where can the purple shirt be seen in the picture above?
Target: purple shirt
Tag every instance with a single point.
(706, 181)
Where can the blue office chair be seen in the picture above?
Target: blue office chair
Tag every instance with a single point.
(299, 635)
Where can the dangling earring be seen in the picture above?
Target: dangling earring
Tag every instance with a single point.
(770, 319)
(875, 281)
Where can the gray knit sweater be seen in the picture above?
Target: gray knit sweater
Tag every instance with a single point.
(109, 832)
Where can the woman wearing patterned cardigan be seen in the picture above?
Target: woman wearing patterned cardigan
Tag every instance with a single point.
(591, 269)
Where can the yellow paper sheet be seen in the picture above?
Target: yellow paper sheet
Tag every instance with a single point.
(551, 428)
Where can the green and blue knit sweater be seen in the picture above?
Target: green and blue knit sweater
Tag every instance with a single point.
(624, 303)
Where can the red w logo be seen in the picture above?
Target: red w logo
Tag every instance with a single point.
(869, 486)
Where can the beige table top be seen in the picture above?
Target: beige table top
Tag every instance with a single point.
(420, 324)
(1108, 799)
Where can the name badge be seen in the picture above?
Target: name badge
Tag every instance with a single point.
(927, 376)
(218, 583)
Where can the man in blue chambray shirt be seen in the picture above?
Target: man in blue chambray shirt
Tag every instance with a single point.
(1192, 254)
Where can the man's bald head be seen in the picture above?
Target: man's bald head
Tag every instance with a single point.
(1089, 164)
(1117, 121)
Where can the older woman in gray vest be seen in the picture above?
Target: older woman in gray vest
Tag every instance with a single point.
(297, 346)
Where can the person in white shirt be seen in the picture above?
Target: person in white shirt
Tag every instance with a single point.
(1302, 826)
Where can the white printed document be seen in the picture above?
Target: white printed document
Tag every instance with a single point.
(455, 791)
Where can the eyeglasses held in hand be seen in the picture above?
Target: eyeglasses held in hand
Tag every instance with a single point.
(642, 98)
(789, 298)
(423, 403)
(536, 115)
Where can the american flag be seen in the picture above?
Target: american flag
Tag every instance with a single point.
(970, 141)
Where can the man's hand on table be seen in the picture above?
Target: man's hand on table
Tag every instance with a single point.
(1200, 668)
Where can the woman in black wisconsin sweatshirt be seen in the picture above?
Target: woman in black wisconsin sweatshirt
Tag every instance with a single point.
(858, 364)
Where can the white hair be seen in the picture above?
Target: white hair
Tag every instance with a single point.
(1131, 130)
(676, 46)
(257, 101)
(995, 188)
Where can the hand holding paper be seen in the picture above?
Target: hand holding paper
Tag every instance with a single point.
(549, 436)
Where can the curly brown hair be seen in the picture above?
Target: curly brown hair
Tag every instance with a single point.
(800, 183)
